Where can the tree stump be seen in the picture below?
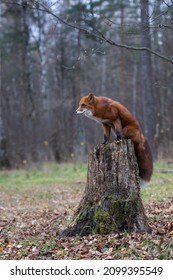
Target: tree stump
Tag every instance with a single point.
(111, 201)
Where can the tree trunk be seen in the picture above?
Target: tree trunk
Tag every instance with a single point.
(146, 78)
(111, 201)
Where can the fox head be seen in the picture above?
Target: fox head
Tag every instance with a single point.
(86, 105)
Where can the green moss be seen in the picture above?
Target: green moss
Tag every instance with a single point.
(103, 222)
(110, 215)
(115, 206)
(123, 210)
(101, 215)
(120, 213)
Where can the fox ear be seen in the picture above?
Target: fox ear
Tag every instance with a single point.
(90, 97)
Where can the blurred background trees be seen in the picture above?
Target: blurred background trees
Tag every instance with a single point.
(54, 52)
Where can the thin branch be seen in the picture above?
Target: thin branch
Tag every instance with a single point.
(166, 26)
(166, 3)
(160, 15)
(139, 49)
(99, 36)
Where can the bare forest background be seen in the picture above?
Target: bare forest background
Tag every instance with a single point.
(54, 52)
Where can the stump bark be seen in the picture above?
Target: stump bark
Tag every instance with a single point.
(112, 200)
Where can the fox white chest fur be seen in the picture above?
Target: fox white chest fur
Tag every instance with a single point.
(88, 113)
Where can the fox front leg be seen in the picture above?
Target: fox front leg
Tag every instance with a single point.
(117, 130)
(118, 135)
(107, 131)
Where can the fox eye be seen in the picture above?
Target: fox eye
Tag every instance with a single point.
(83, 105)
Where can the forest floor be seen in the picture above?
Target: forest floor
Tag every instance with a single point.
(37, 204)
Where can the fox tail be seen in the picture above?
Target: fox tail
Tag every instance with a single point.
(145, 161)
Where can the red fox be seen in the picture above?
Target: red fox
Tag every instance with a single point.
(116, 117)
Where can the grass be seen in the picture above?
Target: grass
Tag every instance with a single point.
(66, 175)
(49, 174)
(161, 185)
(39, 186)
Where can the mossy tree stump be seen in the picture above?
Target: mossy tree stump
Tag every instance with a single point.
(111, 201)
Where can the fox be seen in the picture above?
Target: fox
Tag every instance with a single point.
(115, 117)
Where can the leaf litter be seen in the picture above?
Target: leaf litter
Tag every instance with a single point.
(29, 229)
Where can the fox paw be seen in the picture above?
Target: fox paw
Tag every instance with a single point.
(118, 141)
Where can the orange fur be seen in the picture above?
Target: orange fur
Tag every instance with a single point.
(116, 117)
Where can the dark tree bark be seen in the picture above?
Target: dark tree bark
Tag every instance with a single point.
(147, 78)
(111, 201)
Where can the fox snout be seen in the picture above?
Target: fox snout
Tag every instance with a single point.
(84, 111)
(79, 111)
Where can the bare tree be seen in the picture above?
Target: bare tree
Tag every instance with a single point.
(54, 52)
(147, 76)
